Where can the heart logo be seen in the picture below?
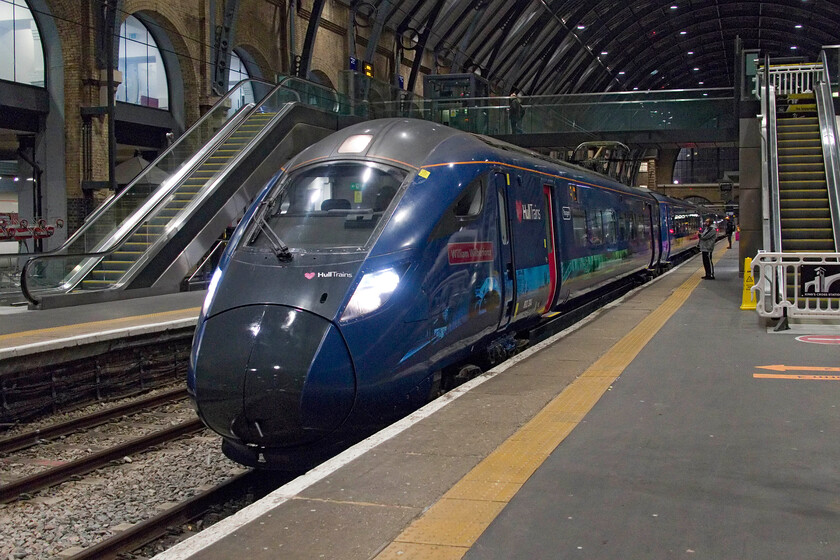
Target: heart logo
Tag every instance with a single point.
(309, 275)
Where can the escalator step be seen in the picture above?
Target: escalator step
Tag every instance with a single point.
(806, 212)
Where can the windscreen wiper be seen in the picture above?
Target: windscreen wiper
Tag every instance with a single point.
(281, 250)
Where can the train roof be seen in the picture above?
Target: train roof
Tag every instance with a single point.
(414, 143)
(405, 141)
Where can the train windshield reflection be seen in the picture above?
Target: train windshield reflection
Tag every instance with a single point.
(329, 206)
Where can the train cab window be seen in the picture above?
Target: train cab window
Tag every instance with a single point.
(330, 206)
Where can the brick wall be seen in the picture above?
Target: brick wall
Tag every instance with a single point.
(261, 30)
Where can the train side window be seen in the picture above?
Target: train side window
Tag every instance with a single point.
(608, 217)
(470, 203)
(579, 227)
(594, 230)
(465, 209)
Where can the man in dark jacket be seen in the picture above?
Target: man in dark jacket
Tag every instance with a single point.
(708, 236)
(730, 229)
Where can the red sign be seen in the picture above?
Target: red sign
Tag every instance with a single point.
(820, 338)
(465, 253)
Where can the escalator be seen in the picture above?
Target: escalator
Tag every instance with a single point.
(113, 268)
(148, 238)
(805, 212)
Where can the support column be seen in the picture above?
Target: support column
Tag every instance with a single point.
(749, 164)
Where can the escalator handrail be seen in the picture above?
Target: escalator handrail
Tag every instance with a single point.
(89, 220)
(150, 209)
(831, 153)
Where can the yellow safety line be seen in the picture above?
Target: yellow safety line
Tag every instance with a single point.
(448, 529)
(75, 329)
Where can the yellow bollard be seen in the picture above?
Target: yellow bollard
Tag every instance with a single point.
(747, 300)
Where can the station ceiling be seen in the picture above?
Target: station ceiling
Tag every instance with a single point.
(568, 46)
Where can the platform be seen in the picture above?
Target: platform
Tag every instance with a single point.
(24, 331)
(652, 430)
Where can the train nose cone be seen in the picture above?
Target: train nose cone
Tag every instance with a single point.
(272, 375)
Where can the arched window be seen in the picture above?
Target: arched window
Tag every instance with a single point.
(143, 72)
(238, 72)
(20, 38)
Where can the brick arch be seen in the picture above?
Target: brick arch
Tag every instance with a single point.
(257, 57)
(168, 21)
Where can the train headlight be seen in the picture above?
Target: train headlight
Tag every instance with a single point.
(374, 289)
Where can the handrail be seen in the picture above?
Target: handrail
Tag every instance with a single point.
(771, 228)
(152, 205)
(114, 198)
(831, 153)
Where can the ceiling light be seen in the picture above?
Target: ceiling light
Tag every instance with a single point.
(581, 27)
(690, 52)
(683, 32)
(696, 69)
(604, 53)
(635, 88)
(798, 26)
(673, 7)
(793, 48)
(621, 73)
(701, 83)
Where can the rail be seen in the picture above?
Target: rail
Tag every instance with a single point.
(797, 285)
(771, 212)
(831, 151)
(791, 79)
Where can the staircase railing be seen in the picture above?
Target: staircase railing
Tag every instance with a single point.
(790, 79)
(831, 151)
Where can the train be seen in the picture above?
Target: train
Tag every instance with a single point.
(380, 259)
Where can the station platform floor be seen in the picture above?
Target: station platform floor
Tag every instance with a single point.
(24, 332)
(670, 424)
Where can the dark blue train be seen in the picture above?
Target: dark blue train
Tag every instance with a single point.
(387, 253)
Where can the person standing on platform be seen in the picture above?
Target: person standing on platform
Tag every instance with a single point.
(708, 236)
(515, 112)
(730, 229)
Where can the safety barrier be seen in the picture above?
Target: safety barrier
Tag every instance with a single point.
(797, 285)
(795, 78)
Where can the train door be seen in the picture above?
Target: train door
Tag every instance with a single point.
(654, 234)
(550, 247)
(527, 215)
(508, 284)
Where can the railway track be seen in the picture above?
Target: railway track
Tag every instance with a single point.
(63, 472)
(165, 523)
(35, 437)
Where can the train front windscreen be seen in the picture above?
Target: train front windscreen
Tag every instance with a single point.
(327, 207)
